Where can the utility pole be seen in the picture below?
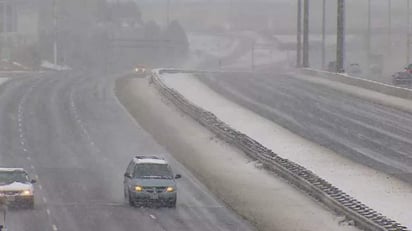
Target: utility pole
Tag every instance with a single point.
(323, 33)
(299, 36)
(5, 42)
(306, 33)
(340, 52)
(55, 32)
(368, 37)
(389, 27)
(408, 31)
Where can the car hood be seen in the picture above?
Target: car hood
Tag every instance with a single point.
(154, 182)
(16, 186)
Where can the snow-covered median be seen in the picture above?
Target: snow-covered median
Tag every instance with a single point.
(380, 191)
(265, 200)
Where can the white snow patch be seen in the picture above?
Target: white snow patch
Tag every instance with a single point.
(48, 65)
(380, 191)
(16, 186)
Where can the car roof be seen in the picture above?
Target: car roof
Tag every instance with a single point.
(11, 169)
(149, 160)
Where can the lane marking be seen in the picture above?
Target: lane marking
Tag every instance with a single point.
(48, 211)
(32, 167)
(37, 177)
(44, 199)
(152, 216)
(28, 158)
(40, 187)
(54, 227)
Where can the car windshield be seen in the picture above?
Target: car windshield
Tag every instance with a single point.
(8, 177)
(152, 171)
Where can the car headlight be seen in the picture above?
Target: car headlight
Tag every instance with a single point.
(26, 193)
(170, 189)
(138, 188)
(136, 69)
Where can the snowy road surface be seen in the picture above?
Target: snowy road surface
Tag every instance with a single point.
(371, 134)
(71, 133)
(382, 192)
(3, 80)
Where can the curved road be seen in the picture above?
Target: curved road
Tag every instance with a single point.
(70, 132)
(375, 135)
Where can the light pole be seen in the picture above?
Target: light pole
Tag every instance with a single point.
(5, 39)
(408, 31)
(55, 32)
(368, 52)
(323, 33)
(389, 27)
(306, 33)
(299, 36)
(340, 51)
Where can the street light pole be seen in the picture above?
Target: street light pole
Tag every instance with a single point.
(5, 41)
(55, 32)
(408, 31)
(323, 33)
(340, 51)
(368, 52)
(299, 36)
(389, 27)
(306, 33)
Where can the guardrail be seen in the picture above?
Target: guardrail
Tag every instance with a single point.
(359, 82)
(334, 198)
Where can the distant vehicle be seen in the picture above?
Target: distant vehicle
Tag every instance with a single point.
(409, 68)
(149, 180)
(354, 69)
(402, 77)
(16, 188)
(141, 69)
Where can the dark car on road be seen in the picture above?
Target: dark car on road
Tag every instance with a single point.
(149, 180)
(402, 78)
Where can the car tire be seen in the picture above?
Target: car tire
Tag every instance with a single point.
(131, 202)
(171, 204)
(30, 204)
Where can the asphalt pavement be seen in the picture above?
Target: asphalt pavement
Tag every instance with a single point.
(375, 135)
(71, 133)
